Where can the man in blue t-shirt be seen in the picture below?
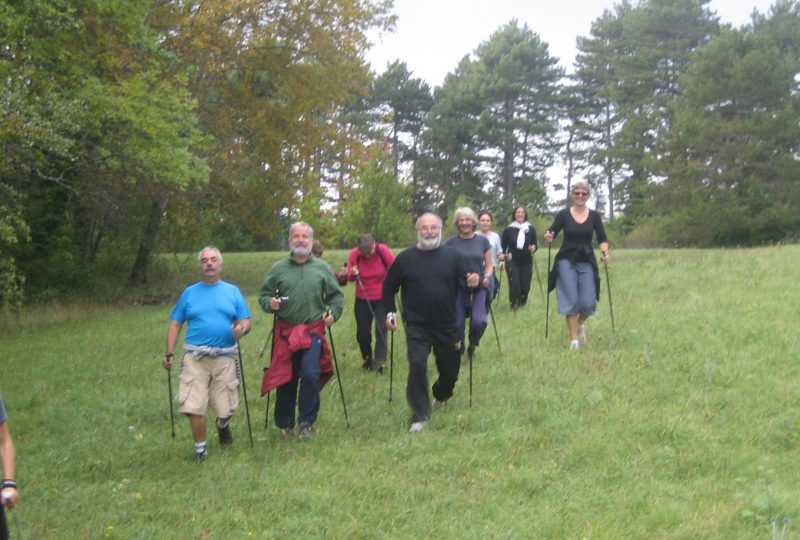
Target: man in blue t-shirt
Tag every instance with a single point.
(218, 317)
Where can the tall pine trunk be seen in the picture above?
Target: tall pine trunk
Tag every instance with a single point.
(147, 244)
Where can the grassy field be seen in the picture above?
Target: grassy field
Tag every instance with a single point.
(684, 423)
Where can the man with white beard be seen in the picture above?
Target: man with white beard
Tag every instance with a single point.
(303, 294)
(428, 277)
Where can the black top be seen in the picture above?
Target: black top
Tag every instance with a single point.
(508, 241)
(429, 281)
(473, 250)
(577, 244)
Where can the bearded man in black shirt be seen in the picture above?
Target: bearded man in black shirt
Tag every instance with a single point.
(428, 277)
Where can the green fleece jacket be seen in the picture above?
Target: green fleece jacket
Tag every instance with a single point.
(308, 291)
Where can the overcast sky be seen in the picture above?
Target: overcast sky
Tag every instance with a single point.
(433, 35)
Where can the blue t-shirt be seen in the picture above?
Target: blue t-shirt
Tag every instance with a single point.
(210, 310)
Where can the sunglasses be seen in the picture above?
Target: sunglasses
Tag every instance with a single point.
(580, 193)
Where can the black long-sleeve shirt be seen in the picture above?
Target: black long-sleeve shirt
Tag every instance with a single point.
(577, 244)
(509, 244)
(428, 283)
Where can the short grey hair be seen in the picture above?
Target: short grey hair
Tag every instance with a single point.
(581, 184)
(297, 224)
(209, 248)
(466, 212)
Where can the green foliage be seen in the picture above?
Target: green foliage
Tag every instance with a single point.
(403, 102)
(735, 138)
(493, 125)
(13, 231)
(98, 124)
(380, 205)
(281, 93)
(519, 90)
(679, 424)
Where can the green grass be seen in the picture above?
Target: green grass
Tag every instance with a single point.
(684, 423)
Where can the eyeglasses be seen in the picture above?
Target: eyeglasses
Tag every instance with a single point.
(580, 193)
(429, 228)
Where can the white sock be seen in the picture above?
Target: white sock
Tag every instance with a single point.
(199, 447)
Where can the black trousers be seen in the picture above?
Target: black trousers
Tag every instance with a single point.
(519, 282)
(447, 352)
(364, 330)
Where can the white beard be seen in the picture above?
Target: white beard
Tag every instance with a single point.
(300, 251)
(428, 244)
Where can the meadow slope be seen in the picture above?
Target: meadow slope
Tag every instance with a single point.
(683, 423)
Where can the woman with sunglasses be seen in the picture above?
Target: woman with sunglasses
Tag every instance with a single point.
(575, 275)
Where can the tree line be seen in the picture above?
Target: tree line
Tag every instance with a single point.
(134, 127)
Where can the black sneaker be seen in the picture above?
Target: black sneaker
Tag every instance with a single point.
(378, 368)
(366, 365)
(201, 455)
(287, 432)
(225, 435)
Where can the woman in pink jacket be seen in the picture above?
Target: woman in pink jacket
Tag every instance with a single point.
(367, 265)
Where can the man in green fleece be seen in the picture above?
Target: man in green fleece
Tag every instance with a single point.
(303, 294)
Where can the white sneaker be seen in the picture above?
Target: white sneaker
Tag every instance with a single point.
(582, 333)
(438, 404)
(416, 427)
(574, 345)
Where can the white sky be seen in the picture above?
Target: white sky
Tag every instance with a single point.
(433, 35)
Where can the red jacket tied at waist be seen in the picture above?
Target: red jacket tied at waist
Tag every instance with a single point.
(289, 340)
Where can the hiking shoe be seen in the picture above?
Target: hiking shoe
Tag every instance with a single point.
(582, 333)
(378, 368)
(306, 431)
(574, 345)
(416, 427)
(366, 364)
(201, 455)
(438, 404)
(287, 432)
(225, 435)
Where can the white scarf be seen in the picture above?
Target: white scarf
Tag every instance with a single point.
(523, 230)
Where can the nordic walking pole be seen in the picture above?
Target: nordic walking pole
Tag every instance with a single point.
(264, 348)
(244, 391)
(271, 356)
(547, 313)
(469, 355)
(391, 364)
(338, 374)
(501, 268)
(610, 305)
(496, 335)
(7, 528)
(171, 412)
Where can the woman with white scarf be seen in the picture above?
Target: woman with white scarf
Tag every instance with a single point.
(519, 244)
